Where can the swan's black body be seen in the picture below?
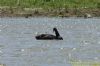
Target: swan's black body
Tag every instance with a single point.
(49, 36)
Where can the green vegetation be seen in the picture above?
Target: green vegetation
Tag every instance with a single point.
(85, 63)
(52, 3)
(62, 8)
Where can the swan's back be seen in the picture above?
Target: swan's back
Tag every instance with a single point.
(45, 36)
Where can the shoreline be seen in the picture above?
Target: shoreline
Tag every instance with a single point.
(61, 12)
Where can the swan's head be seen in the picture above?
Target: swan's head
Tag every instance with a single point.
(54, 29)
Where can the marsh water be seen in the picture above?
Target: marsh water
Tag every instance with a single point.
(18, 46)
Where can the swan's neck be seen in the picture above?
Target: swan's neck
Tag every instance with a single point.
(57, 33)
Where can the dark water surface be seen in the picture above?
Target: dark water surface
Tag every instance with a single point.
(18, 46)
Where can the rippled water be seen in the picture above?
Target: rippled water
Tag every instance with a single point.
(18, 46)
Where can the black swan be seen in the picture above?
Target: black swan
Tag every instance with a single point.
(49, 36)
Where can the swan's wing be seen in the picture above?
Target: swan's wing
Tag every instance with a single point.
(46, 36)
(49, 36)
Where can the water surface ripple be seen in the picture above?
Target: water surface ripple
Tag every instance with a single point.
(18, 46)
